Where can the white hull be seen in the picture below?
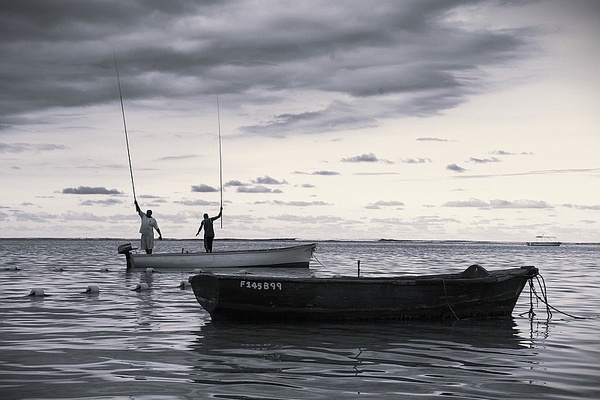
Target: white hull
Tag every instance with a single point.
(285, 257)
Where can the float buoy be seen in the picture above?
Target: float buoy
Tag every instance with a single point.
(37, 292)
(184, 285)
(140, 287)
(92, 289)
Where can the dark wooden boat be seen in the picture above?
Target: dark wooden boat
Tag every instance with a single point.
(474, 292)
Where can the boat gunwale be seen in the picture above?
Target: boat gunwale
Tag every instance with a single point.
(311, 246)
(494, 276)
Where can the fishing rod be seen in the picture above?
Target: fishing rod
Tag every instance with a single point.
(220, 156)
(125, 128)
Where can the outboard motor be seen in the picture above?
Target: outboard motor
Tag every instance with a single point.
(126, 249)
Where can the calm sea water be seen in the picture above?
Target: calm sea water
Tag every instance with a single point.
(160, 344)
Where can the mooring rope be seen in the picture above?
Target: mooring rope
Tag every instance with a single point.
(321, 264)
(544, 299)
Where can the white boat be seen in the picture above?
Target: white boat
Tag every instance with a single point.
(283, 257)
(542, 240)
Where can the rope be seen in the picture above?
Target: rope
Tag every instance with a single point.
(544, 299)
(447, 301)
(315, 257)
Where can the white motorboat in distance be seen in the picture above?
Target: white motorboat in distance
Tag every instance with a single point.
(543, 240)
(284, 257)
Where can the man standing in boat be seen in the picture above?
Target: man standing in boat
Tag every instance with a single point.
(209, 232)
(147, 229)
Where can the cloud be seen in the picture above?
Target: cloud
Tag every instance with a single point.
(368, 158)
(91, 190)
(107, 202)
(384, 204)
(484, 160)
(582, 207)
(235, 183)
(202, 188)
(326, 173)
(267, 180)
(416, 160)
(412, 58)
(26, 147)
(472, 202)
(300, 203)
(499, 204)
(257, 189)
(508, 153)
(455, 168)
(195, 203)
(430, 139)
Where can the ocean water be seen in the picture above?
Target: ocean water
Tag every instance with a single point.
(160, 344)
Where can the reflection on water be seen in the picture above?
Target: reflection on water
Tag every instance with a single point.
(159, 343)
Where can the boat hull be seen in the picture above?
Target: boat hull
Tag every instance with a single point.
(285, 257)
(449, 296)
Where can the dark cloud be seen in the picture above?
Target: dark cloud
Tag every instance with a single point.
(404, 58)
(455, 168)
(91, 190)
(202, 188)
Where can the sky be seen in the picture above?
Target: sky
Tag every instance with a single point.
(316, 120)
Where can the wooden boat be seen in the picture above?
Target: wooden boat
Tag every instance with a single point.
(284, 257)
(542, 240)
(474, 292)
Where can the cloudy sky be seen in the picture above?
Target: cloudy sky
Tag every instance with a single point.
(466, 120)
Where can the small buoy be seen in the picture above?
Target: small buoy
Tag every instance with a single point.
(140, 287)
(92, 289)
(198, 271)
(103, 269)
(37, 292)
(58, 269)
(149, 271)
(13, 268)
(184, 285)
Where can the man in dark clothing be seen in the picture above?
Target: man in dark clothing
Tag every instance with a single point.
(209, 232)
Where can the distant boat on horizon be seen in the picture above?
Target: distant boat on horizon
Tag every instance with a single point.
(542, 240)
